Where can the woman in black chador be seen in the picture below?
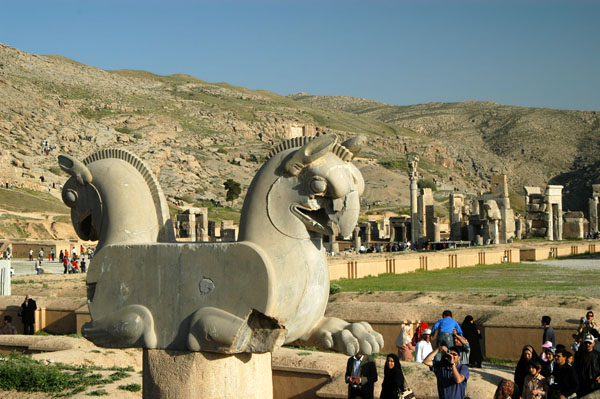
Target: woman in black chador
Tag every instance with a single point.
(393, 378)
(27, 313)
(473, 335)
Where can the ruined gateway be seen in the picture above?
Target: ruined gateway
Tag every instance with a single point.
(269, 288)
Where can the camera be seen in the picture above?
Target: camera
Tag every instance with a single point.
(447, 359)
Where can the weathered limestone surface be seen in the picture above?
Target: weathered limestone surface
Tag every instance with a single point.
(544, 214)
(573, 225)
(594, 210)
(413, 161)
(4, 277)
(486, 219)
(192, 375)
(192, 224)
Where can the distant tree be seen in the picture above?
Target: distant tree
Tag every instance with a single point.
(233, 190)
(427, 183)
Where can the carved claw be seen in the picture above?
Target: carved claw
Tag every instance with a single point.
(349, 338)
(215, 330)
(131, 326)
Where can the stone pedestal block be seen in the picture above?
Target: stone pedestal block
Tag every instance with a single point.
(190, 375)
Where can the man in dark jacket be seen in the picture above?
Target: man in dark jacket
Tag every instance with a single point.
(27, 313)
(549, 334)
(587, 367)
(566, 382)
(361, 374)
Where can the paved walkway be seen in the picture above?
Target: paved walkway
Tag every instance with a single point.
(572, 263)
(24, 267)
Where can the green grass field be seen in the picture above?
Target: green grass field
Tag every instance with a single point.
(508, 278)
(22, 200)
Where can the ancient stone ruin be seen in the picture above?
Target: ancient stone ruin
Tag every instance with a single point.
(485, 219)
(573, 225)
(544, 214)
(413, 161)
(221, 299)
(594, 209)
(192, 225)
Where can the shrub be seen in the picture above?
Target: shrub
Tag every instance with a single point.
(427, 183)
(334, 289)
(21, 373)
(233, 189)
(393, 164)
(98, 392)
(131, 387)
(57, 171)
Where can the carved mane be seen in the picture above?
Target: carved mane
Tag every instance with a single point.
(342, 152)
(151, 181)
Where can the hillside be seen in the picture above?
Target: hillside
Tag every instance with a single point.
(194, 135)
(533, 146)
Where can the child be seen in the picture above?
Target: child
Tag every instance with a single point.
(535, 386)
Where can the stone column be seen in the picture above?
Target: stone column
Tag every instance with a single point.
(190, 375)
(192, 230)
(436, 230)
(413, 176)
(456, 205)
(494, 232)
(593, 204)
(471, 233)
(595, 214)
(356, 238)
(549, 223)
(559, 222)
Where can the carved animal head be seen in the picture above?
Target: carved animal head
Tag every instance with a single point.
(82, 197)
(318, 189)
(101, 191)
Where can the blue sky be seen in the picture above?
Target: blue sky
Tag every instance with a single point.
(530, 53)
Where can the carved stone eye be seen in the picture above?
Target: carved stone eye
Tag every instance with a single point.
(318, 185)
(70, 198)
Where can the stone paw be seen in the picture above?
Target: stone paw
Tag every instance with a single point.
(130, 326)
(349, 338)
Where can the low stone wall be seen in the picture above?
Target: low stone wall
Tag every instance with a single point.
(53, 315)
(396, 263)
(507, 342)
(557, 250)
(358, 266)
(298, 382)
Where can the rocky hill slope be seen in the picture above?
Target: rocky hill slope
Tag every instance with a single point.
(533, 146)
(195, 135)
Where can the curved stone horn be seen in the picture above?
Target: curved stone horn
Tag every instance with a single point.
(355, 144)
(310, 152)
(75, 168)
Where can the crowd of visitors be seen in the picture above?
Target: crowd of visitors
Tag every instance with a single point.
(73, 261)
(404, 247)
(557, 372)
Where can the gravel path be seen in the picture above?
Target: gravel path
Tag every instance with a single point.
(580, 263)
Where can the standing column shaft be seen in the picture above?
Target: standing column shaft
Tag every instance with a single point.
(414, 217)
(192, 375)
(595, 214)
(550, 224)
